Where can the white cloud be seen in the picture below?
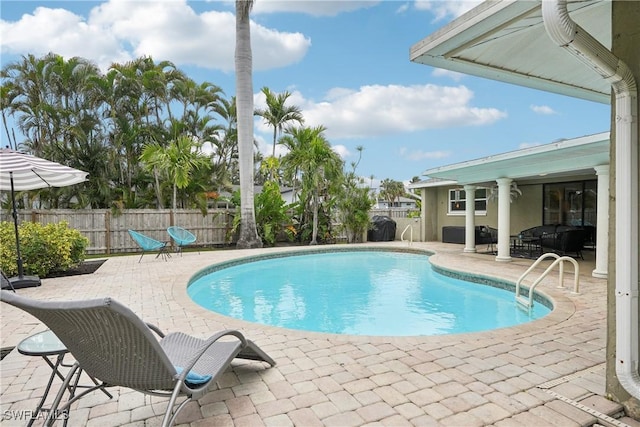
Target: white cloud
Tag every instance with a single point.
(403, 8)
(453, 75)
(443, 9)
(118, 31)
(374, 111)
(314, 7)
(62, 32)
(341, 150)
(419, 155)
(383, 110)
(542, 109)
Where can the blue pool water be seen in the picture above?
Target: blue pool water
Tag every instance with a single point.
(357, 293)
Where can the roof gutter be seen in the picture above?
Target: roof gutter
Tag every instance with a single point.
(570, 36)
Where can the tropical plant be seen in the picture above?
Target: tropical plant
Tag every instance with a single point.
(248, 237)
(315, 164)
(271, 212)
(176, 162)
(277, 114)
(68, 111)
(353, 204)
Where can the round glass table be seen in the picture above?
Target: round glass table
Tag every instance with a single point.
(46, 344)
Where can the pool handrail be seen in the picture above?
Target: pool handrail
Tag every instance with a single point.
(559, 260)
(408, 227)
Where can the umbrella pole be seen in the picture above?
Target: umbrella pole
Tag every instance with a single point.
(15, 226)
(21, 281)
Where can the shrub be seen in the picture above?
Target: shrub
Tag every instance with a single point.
(271, 213)
(44, 248)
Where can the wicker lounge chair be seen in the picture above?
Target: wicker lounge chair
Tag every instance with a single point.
(181, 236)
(149, 244)
(114, 346)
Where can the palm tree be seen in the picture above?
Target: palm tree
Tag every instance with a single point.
(277, 114)
(178, 161)
(7, 93)
(391, 190)
(244, 104)
(317, 164)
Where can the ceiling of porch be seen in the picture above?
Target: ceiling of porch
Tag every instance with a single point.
(574, 157)
(506, 40)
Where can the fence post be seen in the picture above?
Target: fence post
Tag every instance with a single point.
(107, 226)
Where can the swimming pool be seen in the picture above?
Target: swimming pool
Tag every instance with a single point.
(359, 292)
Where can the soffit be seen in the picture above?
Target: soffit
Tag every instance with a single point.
(506, 41)
(573, 157)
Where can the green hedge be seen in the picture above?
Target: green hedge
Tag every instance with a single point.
(44, 248)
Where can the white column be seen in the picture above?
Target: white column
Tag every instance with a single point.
(504, 219)
(469, 216)
(602, 223)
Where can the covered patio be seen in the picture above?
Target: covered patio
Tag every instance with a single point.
(577, 159)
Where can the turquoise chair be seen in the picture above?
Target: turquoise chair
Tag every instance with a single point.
(181, 236)
(149, 244)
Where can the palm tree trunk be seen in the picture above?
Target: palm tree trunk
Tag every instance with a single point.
(314, 232)
(244, 106)
(275, 135)
(158, 189)
(175, 196)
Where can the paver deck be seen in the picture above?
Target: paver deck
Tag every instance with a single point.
(545, 372)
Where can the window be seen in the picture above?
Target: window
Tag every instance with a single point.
(458, 201)
(570, 203)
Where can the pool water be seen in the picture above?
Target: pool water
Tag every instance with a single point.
(357, 293)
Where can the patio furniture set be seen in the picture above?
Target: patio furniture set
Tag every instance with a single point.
(531, 242)
(560, 239)
(179, 235)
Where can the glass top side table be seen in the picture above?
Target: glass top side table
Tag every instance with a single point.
(46, 344)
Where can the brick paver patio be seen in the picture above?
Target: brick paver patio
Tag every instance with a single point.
(546, 372)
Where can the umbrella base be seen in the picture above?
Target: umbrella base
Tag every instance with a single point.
(22, 282)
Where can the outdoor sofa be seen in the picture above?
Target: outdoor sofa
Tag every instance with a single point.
(561, 239)
(485, 235)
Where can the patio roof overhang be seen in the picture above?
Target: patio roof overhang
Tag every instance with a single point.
(574, 157)
(507, 41)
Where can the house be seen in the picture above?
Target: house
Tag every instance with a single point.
(584, 49)
(401, 202)
(560, 183)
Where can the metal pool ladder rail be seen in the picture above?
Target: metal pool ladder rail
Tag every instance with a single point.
(528, 302)
(410, 228)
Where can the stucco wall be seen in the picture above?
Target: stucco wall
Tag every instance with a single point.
(526, 211)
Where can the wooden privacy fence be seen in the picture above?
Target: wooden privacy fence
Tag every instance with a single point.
(107, 232)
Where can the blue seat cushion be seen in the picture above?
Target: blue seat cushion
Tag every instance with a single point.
(194, 377)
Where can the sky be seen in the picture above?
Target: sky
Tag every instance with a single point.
(346, 64)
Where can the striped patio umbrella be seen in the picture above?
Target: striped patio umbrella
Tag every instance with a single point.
(21, 172)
